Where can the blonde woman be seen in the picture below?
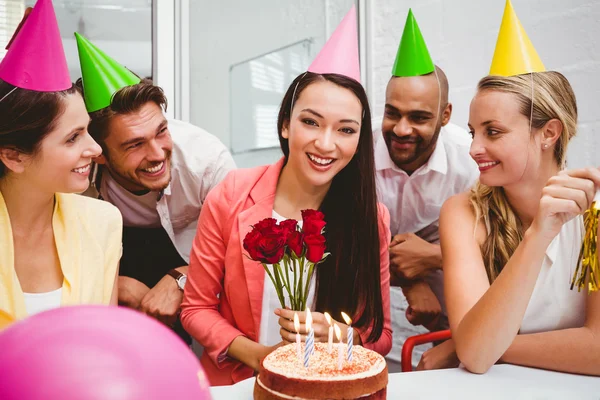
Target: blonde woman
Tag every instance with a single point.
(510, 246)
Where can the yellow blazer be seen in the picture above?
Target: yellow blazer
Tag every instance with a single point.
(88, 234)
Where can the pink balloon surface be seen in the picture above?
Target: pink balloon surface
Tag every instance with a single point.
(97, 353)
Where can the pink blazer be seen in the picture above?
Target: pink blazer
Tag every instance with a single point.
(224, 291)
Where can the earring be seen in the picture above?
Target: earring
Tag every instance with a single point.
(545, 146)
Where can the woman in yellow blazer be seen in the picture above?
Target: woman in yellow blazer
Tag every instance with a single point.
(56, 247)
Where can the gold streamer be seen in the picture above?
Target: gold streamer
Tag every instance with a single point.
(588, 270)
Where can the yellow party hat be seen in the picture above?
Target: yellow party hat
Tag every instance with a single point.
(514, 54)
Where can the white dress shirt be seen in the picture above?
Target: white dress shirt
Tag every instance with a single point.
(199, 162)
(414, 202)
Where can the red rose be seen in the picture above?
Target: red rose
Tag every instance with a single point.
(313, 222)
(288, 227)
(265, 242)
(312, 214)
(315, 247)
(271, 247)
(295, 242)
(265, 225)
(251, 244)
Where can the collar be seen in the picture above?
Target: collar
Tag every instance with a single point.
(438, 161)
(267, 184)
(65, 225)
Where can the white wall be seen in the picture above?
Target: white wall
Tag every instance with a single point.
(224, 33)
(461, 36)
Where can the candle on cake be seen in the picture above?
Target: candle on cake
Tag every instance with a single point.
(310, 338)
(297, 328)
(338, 334)
(330, 336)
(350, 334)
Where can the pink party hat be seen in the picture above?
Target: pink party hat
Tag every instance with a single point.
(340, 53)
(36, 59)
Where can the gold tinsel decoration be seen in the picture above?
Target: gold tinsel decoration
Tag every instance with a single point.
(588, 270)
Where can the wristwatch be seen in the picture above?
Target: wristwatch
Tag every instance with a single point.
(179, 278)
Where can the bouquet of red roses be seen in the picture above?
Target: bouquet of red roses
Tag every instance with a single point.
(292, 252)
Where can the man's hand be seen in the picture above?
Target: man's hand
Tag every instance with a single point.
(411, 257)
(163, 300)
(131, 292)
(439, 357)
(423, 306)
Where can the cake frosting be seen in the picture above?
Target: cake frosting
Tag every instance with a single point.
(283, 376)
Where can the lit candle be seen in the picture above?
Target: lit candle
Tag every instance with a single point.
(350, 334)
(310, 338)
(297, 327)
(330, 336)
(338, 334)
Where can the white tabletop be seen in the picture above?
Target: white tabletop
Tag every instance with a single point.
(500, 382)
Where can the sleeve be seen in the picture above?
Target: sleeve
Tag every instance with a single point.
(384, 344)
(200, 314)
(221, 167)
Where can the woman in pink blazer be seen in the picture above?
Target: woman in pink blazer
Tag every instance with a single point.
(327, 165)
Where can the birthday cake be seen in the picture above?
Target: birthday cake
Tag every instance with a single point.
(283, 376)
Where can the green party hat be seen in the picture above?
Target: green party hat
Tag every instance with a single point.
(101, 75)
(413, 58)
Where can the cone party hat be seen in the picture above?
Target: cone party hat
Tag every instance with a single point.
(514, 54)
(36, 59)
(340, 53)
(101, 75)
(412, 58)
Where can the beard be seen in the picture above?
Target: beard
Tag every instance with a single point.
(420, 146)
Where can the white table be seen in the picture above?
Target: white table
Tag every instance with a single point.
(500, 382)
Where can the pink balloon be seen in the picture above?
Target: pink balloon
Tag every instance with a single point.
(97, 353)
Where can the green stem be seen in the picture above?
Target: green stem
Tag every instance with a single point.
(287, 280)
(300, 284)
(296, 305)
(308, 280)
(270, 275)
(278, 285)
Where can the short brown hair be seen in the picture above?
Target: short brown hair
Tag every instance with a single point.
(127, 100)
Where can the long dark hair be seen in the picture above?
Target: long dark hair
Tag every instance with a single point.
(349, 280)
(27, 117)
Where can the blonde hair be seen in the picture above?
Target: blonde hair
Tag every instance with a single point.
(553, 98)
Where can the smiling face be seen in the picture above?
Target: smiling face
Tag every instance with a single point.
(412, 122)
(62, 162)
(502, 146)
(138, 149)
(323, 132)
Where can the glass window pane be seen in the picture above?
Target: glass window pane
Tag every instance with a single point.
(120, 28)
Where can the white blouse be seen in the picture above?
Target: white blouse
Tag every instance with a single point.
(269, 326)
(553, 305)
(38, 302)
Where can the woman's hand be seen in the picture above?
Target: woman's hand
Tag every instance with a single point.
(565, 196)
(249, 352)
(319, 325)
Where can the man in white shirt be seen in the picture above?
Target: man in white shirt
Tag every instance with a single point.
(157, 172)
(421, 160)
